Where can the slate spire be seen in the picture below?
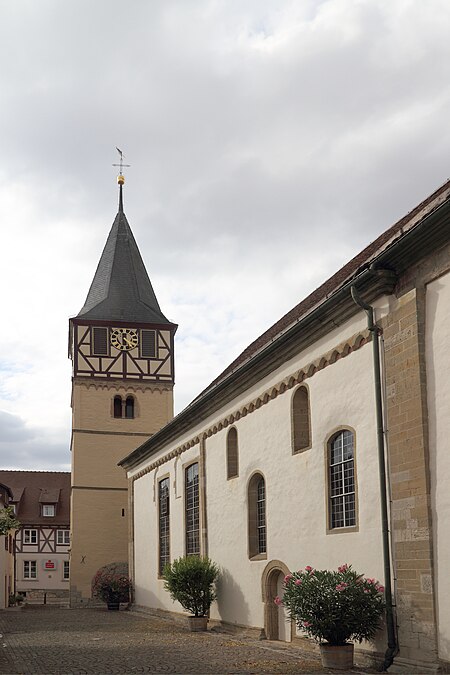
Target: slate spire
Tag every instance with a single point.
(121, 289)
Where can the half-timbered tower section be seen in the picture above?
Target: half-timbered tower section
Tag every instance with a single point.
(121, 346)
(41, 501)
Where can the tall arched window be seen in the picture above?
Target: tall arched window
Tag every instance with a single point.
(164, 524)
(192, 510)
(341, 480)
(301, 424)
(257, 530)
(117, 406)
(129, 407)
(232, 453)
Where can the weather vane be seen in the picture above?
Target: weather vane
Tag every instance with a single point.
(121, 165)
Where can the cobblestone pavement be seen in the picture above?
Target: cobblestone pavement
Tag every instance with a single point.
(49, 641)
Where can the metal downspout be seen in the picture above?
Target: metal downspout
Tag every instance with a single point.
(392, 649)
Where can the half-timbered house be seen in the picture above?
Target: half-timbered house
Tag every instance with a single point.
(41, 501)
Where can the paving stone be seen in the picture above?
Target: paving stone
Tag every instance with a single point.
(55, 641)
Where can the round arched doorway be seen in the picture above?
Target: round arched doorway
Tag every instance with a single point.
(277, 625)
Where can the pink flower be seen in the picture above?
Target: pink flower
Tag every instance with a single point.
(380, 588)
(309, 569)
(298, 582)
(306, 624)
(287, 578)
(342, 586)
(343, 568)
(371, 581)
(366, 590)
(278, 601)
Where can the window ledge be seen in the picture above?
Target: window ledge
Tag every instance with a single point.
(343, 530)
(301, 450)
(258, 556)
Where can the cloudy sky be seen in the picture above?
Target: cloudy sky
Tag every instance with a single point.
(269, 140)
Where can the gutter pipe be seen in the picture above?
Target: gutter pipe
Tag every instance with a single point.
(392, 649)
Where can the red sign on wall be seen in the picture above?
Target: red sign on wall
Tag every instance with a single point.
(49, 565)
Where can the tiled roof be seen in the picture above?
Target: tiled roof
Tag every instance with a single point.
(50, 496)
(27, 488)
(17, 493)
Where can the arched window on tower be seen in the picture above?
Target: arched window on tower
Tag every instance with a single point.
(301, 424)
(257, 532)
(232, 453)
(117, 406)
(129, 407)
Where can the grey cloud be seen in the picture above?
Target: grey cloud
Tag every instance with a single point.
(22, 447)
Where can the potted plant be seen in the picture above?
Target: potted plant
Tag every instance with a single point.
(14, 600)
(191, 582)
(112, 585)
(334, 608)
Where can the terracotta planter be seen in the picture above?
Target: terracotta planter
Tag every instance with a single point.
(197, 623)
(337, 656)
(113, 605)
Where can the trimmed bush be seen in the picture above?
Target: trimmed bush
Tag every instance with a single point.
(191, 582)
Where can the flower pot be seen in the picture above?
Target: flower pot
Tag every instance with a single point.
(113, 605)
(197, 623)
(337, 656)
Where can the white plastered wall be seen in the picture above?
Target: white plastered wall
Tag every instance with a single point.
(438, 387)
(341, 395)
(149, 588)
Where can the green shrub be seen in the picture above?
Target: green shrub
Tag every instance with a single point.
(191, 582)
(8, 520)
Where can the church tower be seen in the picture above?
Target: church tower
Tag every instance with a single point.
(122, 351)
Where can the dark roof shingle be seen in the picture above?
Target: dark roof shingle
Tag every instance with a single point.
(121, 289)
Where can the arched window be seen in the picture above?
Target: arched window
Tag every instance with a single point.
(301, 425)
(232, 453)
(164, 524)
(117, 406)
(341, 480)
(192, 510)
(257, 532)
(129, 407)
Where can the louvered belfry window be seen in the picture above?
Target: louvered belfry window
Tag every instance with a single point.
(129, 407)
(100, 340)
(117, 406)
(342, 491)
(164, 525)
(192, 507)
(148, 344)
